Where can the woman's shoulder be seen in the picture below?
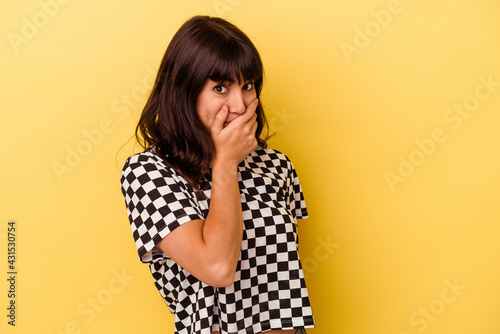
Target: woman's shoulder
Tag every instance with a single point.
(269, 154)
(145, 161)
(143, 158)
(270, 158)
(148, 168)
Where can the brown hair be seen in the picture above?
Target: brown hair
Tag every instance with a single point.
(204, 47)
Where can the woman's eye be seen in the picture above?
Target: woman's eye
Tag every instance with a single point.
(220, 89)
(248, 86)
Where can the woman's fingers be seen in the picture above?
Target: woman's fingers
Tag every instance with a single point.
(235, 141)
(219, 120)
(250, 110)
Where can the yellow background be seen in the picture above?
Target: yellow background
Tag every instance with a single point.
(356, 91)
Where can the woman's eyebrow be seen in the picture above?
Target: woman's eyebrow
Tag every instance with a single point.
(222, 80)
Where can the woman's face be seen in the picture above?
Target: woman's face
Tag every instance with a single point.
(214, 95)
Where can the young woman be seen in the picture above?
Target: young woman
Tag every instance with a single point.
(212, 210)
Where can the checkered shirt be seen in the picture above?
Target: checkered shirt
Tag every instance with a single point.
(269, 291)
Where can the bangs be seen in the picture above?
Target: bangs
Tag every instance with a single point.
(234, 61)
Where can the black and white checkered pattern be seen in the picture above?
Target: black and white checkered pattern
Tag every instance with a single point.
(269, 290)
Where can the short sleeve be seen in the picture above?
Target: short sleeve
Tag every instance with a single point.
(297, 203)
(158, 201)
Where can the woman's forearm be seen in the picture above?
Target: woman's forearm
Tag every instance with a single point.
(223, 228)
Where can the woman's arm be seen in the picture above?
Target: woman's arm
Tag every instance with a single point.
(209, 249)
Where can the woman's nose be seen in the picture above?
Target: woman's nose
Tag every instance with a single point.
(236, 104)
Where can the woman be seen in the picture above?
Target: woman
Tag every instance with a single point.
(212, 210)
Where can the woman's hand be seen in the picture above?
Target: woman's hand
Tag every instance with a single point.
(234, 142)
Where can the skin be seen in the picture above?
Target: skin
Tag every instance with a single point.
(214, 96)
(209, 249)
